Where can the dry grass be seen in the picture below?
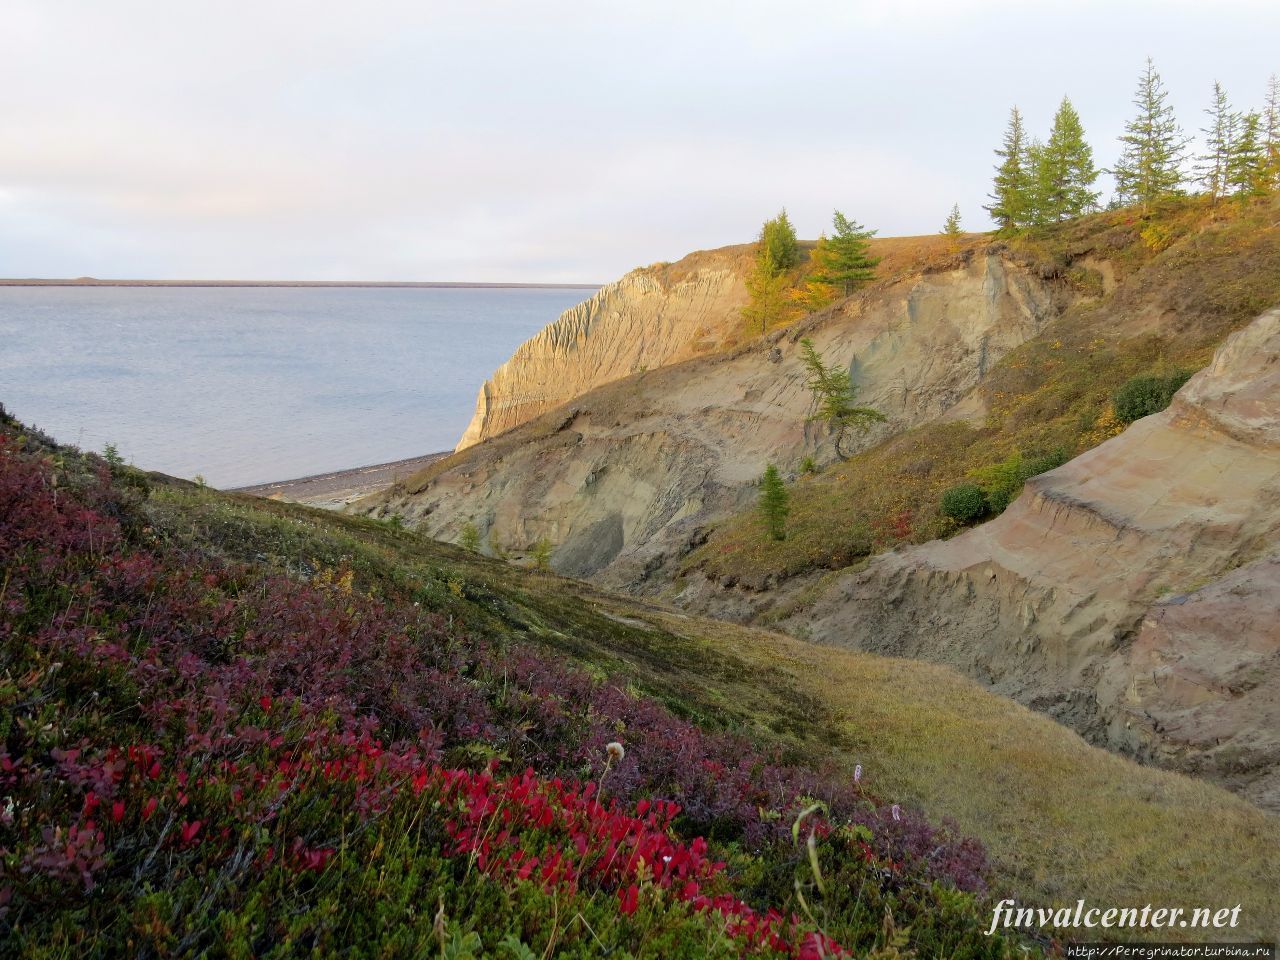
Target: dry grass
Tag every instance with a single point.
(1064, 820)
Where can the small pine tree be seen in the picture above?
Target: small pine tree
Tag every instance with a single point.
(469, 539)
(843, 262)
(952, 226)
(832, 396)
(1271, 132)
(1219, 136)
(1064, 170)
(768, 285)
(542, 554)
(778, 241)
(1247, 172)
(1008, 207)
(774, 503)
(769, 304)
(1150, 165)
(111, 454)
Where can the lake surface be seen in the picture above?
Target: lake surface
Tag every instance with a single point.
(248, 385)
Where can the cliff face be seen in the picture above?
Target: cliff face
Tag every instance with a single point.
(624, 478)
(652, 317)
(1130, 593)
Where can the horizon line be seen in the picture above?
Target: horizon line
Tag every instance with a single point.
(100, 282)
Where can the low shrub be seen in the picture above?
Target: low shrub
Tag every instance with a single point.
(964, 502)
(1002, 482)
(196, 753)
(1142, 396)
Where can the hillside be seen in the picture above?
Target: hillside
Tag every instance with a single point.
(219, 704)
(653, 317)
(626, 477)
(985, 358)
(1130, 593)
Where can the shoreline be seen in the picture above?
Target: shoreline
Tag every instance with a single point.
(337, 488)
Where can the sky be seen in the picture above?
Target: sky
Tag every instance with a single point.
(545, 141)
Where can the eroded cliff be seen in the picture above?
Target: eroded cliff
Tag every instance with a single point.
(652, 317)
(623, 479)
(1130, 593)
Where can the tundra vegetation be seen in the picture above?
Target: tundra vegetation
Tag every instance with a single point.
(1041, 194)
(772, 503)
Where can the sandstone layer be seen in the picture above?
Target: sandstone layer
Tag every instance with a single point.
(623, 479)
(652, 317)
(1133, 593)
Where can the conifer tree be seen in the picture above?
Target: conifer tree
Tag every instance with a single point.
(470, 537)
(1036, 188)
(1219, 136)
(777, 252)
(1247, 162)
(542, 554)
(774, 503)
(1009, 190)
(1271, 132)
(843, 261)
(1150, 164)
(768, 304)
(1064, 170)
(833, 396)
(952, 226)
(778, 241)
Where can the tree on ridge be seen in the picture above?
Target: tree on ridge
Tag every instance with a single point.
(1150, 164)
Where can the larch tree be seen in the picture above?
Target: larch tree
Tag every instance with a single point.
(470, 537)
(768, 303)
(1008, 207)
(1219, 136)
(1150, 164)
(1064, 169)
(951, 228)
(774, 503)
(768, 284)
(843, 261)
(778, 242)
(834, 397)
(1271, 132)
(1247, 172)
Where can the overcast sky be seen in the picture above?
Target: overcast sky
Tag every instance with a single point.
(544, 141)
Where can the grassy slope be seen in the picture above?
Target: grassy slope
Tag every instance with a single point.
(1062, 819)
(1186, 276)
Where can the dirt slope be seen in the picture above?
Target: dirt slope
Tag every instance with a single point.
(623, 479)
(1131, 593)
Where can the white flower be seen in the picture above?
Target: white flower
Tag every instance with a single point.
(857, 773)
(615, 751)
(897, 812)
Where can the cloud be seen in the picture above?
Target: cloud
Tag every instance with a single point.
(539, 141)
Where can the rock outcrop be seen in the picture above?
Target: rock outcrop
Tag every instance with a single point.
(652, 317)
(1133, 593)
(624, 478)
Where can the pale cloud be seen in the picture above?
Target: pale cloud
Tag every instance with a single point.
(541, 141)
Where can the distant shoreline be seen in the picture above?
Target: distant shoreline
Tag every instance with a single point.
(336, 488)
(94, 282)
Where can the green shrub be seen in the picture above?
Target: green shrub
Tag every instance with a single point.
(470, 537)
(1002, 482)
(807, 465)
(964, 503)
(1142, 396)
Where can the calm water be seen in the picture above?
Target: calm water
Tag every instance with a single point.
(249, 385)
